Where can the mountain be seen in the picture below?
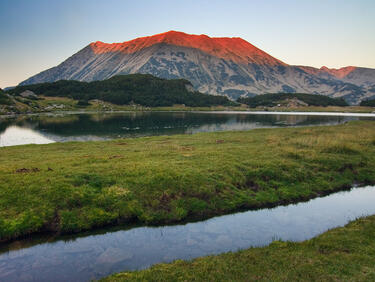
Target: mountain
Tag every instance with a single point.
(224, 66)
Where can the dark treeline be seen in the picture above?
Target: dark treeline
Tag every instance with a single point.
(271, 100)
(142, 89)
(368, 103)
(4, 99)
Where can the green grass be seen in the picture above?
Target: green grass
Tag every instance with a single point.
(69, 104)
(341, 254)
(70, 187)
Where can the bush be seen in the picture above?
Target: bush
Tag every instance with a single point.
(83, 103)
(4, 99)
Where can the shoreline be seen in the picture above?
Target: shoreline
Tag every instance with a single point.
(340, 254)
(338, 111)
(51, 236)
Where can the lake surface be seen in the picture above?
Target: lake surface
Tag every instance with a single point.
(48, 128)
(95, 256)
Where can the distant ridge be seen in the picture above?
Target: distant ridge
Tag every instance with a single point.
(227, 66)
(340, 73)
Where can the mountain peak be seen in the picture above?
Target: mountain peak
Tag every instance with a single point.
(235, 49)
(339, 73)
(227, 66)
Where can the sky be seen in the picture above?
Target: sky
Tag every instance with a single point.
(39, 34)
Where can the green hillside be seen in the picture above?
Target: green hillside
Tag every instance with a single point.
(272, 100)
(368, 103)
(141, 89)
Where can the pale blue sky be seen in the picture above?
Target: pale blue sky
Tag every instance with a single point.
(39, 34)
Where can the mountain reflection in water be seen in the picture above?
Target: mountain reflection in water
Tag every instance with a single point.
(47, 128)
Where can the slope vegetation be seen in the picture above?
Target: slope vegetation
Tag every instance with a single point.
(141, 89)
(4, 99)
(271, 100)
(368, 103)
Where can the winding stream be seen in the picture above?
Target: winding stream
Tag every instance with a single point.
(96, 256)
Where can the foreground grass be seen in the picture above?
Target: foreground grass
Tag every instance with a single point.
(341, 254)
(70, 187)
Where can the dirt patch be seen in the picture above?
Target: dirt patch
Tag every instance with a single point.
(219, 141)
(115, 157)
(347, 166)
(186, 148)
(252, 185)
(54, 224)
(27, 170)
(165, 200)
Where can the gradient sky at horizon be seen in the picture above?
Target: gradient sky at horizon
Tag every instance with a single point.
(39, 34)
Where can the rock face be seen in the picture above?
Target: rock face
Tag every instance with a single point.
(224, 66)
(28, 94)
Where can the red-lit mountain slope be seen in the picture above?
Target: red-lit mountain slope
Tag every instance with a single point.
(232, 49)
(224, 66)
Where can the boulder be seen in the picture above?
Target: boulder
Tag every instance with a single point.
(28, 94)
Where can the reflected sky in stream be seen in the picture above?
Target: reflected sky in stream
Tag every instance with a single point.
(94, 256)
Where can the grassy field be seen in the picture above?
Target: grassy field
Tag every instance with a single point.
(70, 187)
(341, 254)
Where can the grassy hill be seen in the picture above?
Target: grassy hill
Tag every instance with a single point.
(141, 89)
(272, 100)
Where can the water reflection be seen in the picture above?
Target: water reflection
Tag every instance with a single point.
(95, 256)
(15, 135)
(101, 126)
